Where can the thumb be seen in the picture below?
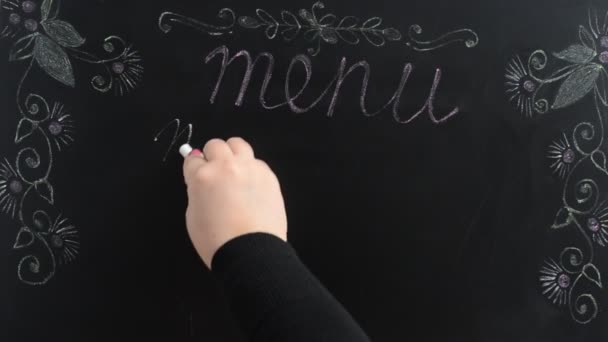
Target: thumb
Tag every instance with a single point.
(192, 163)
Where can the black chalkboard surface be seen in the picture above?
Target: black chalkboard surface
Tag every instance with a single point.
(443, 162)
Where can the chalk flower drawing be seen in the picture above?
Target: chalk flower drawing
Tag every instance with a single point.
(62, 237)
(579, 75)
(563, 156)
(597, 224)
(11, 188)
(123, 70)
(555, 282)
(127, 71)
(59, 127)
(51, 42)
(40, 38)
(521, 86)
(319, 29)
(584, 72)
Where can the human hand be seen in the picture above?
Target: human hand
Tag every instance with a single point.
(230, 193)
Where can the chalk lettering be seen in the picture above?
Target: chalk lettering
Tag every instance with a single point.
(335, 84)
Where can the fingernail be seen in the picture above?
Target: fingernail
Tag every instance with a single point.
(196, 152)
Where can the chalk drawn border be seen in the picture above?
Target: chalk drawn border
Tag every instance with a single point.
(49, 45)
(317, 29)
(576, 156)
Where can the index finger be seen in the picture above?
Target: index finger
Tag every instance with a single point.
(194, 161)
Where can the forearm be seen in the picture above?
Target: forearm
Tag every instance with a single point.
(274, 296)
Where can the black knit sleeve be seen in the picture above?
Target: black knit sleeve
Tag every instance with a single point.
(275, 298)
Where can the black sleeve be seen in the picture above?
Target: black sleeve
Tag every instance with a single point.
(275, 298)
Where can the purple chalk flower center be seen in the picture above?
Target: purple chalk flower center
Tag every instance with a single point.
(568, 156)
(563, 281)
(118, 68)
(14, 18)
(31, 25)
(55, 128)
(529, 86)
(28, 6)
(15, 186)
(56, 241)
(593, 224)
(604, 57)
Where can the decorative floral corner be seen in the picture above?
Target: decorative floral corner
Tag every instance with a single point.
(318, 29)
(47, 43)
(584, 72)
(580, 75)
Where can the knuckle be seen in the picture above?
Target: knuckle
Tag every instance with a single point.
(230, 167)
(213, 142)
(238, 143)
(237, 140)
(203, 175)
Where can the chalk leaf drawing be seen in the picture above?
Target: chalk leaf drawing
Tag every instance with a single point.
(318, 29)
(46, 127)
(584, 72)
(577, 157)
(52, 43)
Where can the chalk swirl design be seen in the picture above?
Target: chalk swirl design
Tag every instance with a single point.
(168, 18)
(53, 43)
(576, 156)
(318, 29)
(46, 127)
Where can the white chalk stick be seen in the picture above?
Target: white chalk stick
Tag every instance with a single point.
(185, 150)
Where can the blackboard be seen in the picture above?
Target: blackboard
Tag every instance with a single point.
(443, 162)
